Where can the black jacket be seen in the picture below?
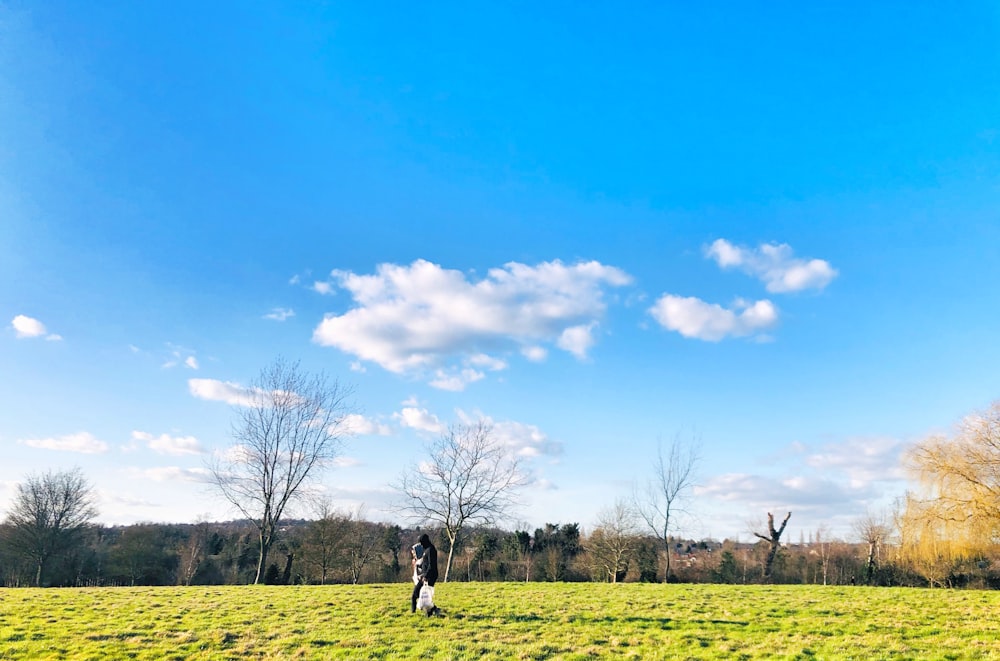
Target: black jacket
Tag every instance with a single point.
(431, 559)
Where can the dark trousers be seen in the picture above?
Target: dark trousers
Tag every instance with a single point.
(416, 594)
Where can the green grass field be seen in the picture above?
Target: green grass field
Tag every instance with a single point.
(500, 621)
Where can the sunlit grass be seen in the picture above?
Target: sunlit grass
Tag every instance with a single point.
(500, 621)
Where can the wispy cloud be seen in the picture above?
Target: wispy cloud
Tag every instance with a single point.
(28, 327)
(424, 318)
(82, 442)
(178, 355)
(861, 460)
(280, 314)
(759, 492)
(359, 425)
(455, 380)
(774, 264)
(172, 474)
(170, 445)
(693, 317)
(220, 391)
(523, 439)
(826, 486)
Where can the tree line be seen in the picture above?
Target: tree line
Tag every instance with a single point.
(291, 424)
(342, 547)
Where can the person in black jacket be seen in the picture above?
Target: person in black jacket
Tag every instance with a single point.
(427, 572)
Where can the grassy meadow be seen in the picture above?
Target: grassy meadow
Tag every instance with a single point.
(500, 621)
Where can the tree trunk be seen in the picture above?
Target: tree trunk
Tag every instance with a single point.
(774, 539)
(265, 546)
(870, 567)
(666, 571)
(447, 567)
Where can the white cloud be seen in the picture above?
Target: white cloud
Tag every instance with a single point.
(693, 317)
(358, 366)
(279, 314)
(166, 444)
(361, 426)
(773, 264)
(419, 419)
(345, 462)
(236, 454)
(455, 381)
(83, 442)
(862, 460)
(25, 327)
(423, 317)
(219, 391)
(760, 493)
(487, 362)
(726, 255)
(178, 355)
(322, 287)
(830, 486)
(535, 354)
(523, 439)
(577, 340)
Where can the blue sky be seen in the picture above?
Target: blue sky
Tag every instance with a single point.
(776, 229)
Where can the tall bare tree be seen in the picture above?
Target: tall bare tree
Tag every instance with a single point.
(469, 476)
(192, 552)
(822, 543)
(324, 538)
(873, 530)
(50, 511)
(774, 539)
(290, 425)
(614, 540)
(665, 493)
(361, 544)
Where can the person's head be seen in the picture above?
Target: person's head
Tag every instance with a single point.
(425, 541)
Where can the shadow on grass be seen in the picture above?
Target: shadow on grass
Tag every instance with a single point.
(661, 622)
(510, 617)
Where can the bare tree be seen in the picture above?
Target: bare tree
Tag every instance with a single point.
(50, 510)
(361, 543)
(666, 491)
(192, 552)
(324, 538)
(822, 542)
(873, 530)
(774, 539)
(290, 424)
(614, 540)
(468, 477)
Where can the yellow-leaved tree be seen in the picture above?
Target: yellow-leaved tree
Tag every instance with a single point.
(953, 522)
